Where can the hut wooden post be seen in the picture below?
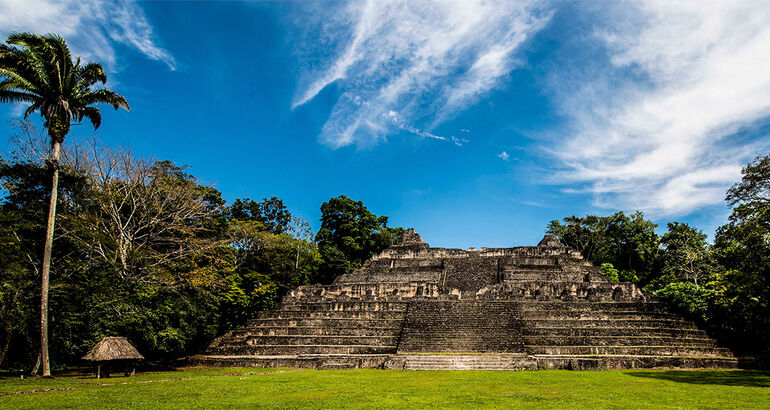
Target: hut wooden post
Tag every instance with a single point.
(98, 371)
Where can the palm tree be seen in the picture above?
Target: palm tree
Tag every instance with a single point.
(40, 71)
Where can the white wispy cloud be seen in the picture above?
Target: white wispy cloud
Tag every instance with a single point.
(504, 156)
(91, 27)
(668, 141)
(422, 61)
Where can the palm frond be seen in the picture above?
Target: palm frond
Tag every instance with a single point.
(32, 108)
(12, 96)
(18, 79)
(37, 52)
(89, 74)
(16, 63)
(93, 115)
(104, 96)
(58, 67)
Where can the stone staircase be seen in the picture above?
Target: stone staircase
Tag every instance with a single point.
(321, 333)
(615, 335)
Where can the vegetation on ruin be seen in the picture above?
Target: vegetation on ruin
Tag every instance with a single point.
(274, 388)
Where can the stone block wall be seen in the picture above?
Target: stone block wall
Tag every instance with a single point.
(462, 326)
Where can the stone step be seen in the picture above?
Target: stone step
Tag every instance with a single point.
(629, 350)
(254, 340)
(598, 315)
(583, 305)
(329, 322)
(515, 278)
(625, 340)
(526, 363)
(370, 306)
(337, 366)
(611, 323)
(606, 362)
(414, 271)
(535, 274)
(507, 362)
(531, 264)
(316, 330)
(313, 361)
(616, 331)
(279, 350)
(321, 314)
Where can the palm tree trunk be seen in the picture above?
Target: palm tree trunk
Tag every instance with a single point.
(47, 259)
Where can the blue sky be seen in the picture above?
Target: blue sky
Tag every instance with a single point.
(474, 122)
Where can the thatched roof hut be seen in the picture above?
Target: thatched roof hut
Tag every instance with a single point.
(112, 348)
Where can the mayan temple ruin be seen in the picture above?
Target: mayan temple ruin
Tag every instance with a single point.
(414, 307)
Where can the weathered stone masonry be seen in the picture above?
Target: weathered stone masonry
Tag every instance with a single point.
(417, 307)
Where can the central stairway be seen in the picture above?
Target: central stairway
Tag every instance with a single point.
(462, 326)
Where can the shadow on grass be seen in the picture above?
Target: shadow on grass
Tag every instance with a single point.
(752, 378)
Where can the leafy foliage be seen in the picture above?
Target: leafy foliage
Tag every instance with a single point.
(630, 244)
(686, 255)
(271, 213)
(689, 299)
(349, 235)
(609, 271)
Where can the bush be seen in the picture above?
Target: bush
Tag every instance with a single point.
(628, 276)
(610, 271)
(688, 298)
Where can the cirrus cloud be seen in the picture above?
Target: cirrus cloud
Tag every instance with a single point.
(415, 62)
(670, 137)
(91, 27)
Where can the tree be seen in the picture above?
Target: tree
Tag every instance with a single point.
(584, 234)
(271, 213)
(17, 281)
(350, 235)
(40, 71)
(630, 244)
(141, 215)
(271, 255)
(754, 188)
(742, 248)
(686, 253)
(25, 184)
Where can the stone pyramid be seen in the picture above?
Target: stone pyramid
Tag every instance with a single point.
(414, 307)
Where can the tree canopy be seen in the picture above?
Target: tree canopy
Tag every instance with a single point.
(349, 235)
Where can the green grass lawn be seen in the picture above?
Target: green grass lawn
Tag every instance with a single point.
(234, 388)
